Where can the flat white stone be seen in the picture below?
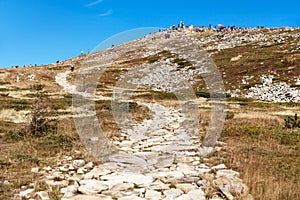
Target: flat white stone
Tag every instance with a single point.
(172, 193)
(186, 187)
(123, 157)
(227, 173)
(91, 186)
(218, 167)
(196, 194)
(167, 174)
(69, 191)
(97, 172)
(79, 163)
(158, 186)
(122, 186)
(26, 193)
(89, 165)
(152, 194)
(47, 169)
(165, 161)
(35, 170)
(43, 195)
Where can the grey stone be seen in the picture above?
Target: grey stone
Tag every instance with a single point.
(196, 194)
(69, 191)
(165, 161)
(89, 165)
(35, 170)
(26, 193)
(152, 194)
(158, 186)
(172, 193)
(91, 186)
(221, 166)
(149, 157)
(6, 183)
(97, 172)
(122, 186)
(79, 163)
(227, 173)
(186, 187)
(43, 195)
(123, 157)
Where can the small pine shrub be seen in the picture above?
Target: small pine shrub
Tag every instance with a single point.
(292, 122)
(40, 124)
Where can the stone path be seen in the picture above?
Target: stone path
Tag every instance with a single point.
(159, 160)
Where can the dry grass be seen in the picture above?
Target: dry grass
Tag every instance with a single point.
(266, 155)
(107, 121)
(18, 157)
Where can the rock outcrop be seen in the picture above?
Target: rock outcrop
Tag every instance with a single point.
(274, 92)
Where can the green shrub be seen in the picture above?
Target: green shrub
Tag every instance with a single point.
(203, 94)
(56, 142)
(27, 158)
(229, 115)
(288, 137)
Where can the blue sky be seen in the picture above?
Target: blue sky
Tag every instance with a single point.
(42, 31)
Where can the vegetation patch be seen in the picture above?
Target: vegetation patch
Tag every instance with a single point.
(156, 95)
(17, 105)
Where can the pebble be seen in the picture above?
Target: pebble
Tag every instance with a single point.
(79, 163)
(43, 195)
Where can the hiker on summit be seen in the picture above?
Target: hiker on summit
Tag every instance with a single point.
(181, 25)
(72, 67)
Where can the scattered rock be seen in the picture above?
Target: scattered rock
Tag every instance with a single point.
(43, 195)
(35, 170)
(69, 191)
(196, 194)
(221, 166)
(6, 183)
(152, 194)
(79, 163)
(186, 187)
(274, 92)
(234, 59)
(172, 193)
(26, 193)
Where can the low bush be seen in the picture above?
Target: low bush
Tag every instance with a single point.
(292, 122)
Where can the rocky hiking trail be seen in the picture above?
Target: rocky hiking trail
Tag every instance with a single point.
(159, 158)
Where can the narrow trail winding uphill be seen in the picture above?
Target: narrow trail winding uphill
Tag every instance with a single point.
(159, 158)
